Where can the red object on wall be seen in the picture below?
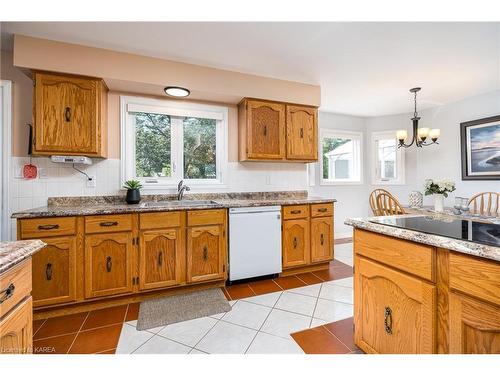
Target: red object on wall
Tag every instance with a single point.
(29, 171)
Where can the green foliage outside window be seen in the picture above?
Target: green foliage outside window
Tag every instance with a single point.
(199, 148)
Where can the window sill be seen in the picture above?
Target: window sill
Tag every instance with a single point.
(382, 183)
(340, 183)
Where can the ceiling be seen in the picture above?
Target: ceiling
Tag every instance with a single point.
(364, 69)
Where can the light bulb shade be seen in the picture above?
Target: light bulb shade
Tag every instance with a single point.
(402, 135)
(434, 133)
(423, 133)
(178, 92)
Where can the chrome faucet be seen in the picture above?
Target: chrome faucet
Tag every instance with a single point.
(181, 188)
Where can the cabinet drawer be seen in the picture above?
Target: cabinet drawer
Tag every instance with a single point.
(479, 278)
(157, 220)
(15, 285)
(108, 223)
(404, 255)
(48, 227)
(323, 209)
(295, 212)
(206, 217)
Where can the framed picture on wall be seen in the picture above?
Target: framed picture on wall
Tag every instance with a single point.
(480, 142)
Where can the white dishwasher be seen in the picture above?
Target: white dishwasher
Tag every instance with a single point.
(254, 242)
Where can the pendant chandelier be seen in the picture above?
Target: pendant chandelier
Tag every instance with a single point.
(420, 135)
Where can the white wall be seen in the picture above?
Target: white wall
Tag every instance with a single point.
(352, 200)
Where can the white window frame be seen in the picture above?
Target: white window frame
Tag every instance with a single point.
(176, 109)
(400, 159)
(333, 133)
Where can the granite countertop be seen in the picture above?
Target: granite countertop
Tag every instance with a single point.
(466, 247)
(82, 206)
(12, 253)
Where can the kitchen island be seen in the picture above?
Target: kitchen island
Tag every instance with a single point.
(423, 286)
(16, 311)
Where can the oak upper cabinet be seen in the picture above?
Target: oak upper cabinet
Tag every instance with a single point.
(394, 312)
(108, 264)
(70, 115)
(296, 243)
(206, 245)
(301, 133)
(321, 239)
(54, 272)
(16, 330)
(261, 130)
(160, 258)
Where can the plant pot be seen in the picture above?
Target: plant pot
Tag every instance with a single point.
(133, 196)
(438, 202)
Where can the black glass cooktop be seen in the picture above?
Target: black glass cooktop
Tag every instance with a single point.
(467, 230)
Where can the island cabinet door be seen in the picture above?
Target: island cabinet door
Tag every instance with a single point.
(160, 259)
(205, 253)
(321, 239)
(54, 272)
(108, 264)
(474, 326)
(16, 330)
(394, 312)
(296, 243)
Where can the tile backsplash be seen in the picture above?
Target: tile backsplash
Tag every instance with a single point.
(61, 180)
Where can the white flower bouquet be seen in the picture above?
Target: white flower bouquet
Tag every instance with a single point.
(439, 187)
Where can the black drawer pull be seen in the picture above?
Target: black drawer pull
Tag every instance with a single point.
(160, 258)
(388, 320)
(108, 264)
(48, 271)
(7, 293)
(322, 209)
(109, 224)
(295, 212)
(48, 227)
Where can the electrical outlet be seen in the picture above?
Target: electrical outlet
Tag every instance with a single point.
(91, 183)
(18, 173)
(268, 180)
(42, 173)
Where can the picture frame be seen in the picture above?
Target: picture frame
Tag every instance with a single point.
(480, 148)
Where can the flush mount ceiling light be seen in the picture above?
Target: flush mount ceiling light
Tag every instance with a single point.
(178, 92)
(419, 134)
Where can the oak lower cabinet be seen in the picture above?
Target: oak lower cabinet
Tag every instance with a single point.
(54, 272)
(16, 330)
(205, 253)
(321, 239)
(296, 243)
(160, 258)
(108, 264)
(474, 326)
(394, 312)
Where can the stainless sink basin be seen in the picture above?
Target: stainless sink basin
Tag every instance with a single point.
(187, 202)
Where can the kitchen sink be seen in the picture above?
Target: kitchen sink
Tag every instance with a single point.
(187, 202)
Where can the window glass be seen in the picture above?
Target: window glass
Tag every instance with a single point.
(200, 148)
(341, 158)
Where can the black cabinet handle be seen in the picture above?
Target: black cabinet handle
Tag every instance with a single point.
(301, 133)
(48, 271)
(205, 253)
(295, 212)
(7, 293)
(322, 210)
(109, 264)
(48, 227)
(322, 239)
(294, 242)
(67, 114)
(160, 258)
(109, 224)
(265, 130)
(388, 320)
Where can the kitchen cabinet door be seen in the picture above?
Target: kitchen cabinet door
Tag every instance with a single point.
(296, 243)
(394, 312)
(108, 264)
(301, 133)
(321, 239)
(54, 272)
(16, 330)
(160, 259)
(474, 326)
(69, 115)
(205, 253)
(265, 129)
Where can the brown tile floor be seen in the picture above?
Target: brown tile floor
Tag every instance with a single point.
(331, 338)
(98, 331)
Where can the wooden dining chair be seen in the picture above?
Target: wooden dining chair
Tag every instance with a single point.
(487, 203)
(373, 200)
(388, 205)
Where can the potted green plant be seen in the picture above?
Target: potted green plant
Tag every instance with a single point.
(440, 190)
(133, 191)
